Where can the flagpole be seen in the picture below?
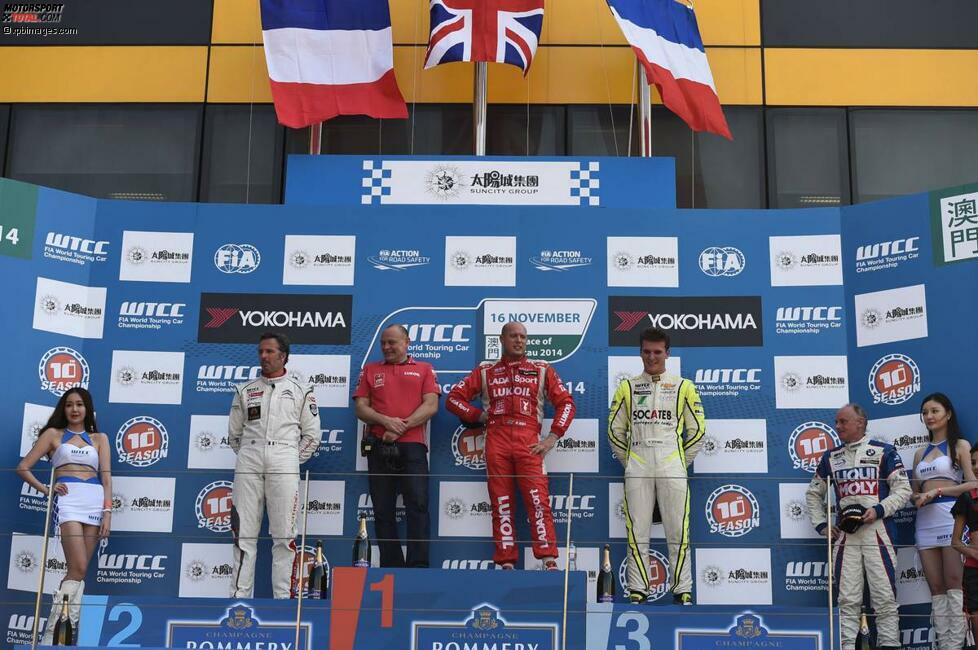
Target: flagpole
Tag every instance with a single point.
(316, 138)
(644, 113)
(479, 107)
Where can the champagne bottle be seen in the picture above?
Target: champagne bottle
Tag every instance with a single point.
(606, 579)
(319, 578)
(64, 632)
(361, 546)
(572, 557)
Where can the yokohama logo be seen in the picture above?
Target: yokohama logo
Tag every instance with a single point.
(629, 319)
(304, 318)
(713, 321)
(219, 315)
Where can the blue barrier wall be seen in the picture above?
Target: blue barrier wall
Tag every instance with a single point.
(155, 307)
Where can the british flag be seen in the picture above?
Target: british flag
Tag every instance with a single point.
(504, 31)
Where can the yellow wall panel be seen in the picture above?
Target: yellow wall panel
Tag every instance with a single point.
(598, 75)
(737, 74)
(409, 18)
(236, 21)
(238, 75)
(103, 74)
(559, 75)
(729, 22)
(566, 22)
(844, 77)
(449, 83)
(566, 75)
(587, 22)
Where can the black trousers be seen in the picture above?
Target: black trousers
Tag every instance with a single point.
(411, 481)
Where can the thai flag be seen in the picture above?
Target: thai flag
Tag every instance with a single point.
(667, 41)
(504, 31)
(330, 57)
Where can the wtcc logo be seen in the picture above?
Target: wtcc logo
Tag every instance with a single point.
(142, 441)
(659, 575)
(237, 258)
(75, 250)
(732, 511)
(438, 333)
(795, 314)
(894, 379)
(887, 248)
(61, 369)
(153, 309)
(722, 261)
(472, 565)
(808, 442)
(469, 447)
(213, 506)
(728, 376)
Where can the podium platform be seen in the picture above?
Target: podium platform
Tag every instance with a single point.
(432, 609)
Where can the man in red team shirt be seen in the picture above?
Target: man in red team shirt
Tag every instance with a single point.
(396, 397)
(512, 392)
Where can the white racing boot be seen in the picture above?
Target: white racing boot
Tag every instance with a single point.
(957, 622)
(68, 588)
(939, 619)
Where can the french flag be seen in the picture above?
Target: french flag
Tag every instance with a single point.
(667, 42)
(330, 57)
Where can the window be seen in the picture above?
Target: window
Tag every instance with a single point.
(870, 23)
(518, 130)
(123, 152)
(435, 129)
(602, 130)
(808, 157)
(242, 161)
(711, 171)
(898, 152)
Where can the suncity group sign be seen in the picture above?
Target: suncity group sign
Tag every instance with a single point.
(481, 182)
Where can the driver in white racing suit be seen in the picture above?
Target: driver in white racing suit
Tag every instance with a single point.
(273, 427)
(655, 428)
(870, 485)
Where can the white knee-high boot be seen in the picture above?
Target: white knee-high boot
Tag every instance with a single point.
(958, 624)
(68, 588)
(940, 620)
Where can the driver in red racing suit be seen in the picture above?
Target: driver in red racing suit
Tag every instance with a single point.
(513, 391)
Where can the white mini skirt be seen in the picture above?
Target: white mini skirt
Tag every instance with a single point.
(82, 503)
(935, 524)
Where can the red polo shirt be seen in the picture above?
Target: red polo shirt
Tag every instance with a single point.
(396, 390)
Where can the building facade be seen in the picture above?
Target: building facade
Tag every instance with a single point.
(830, 102)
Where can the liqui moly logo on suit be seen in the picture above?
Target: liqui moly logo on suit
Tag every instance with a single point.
(856, 481)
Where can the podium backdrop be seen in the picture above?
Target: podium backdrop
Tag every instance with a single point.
(779, 316)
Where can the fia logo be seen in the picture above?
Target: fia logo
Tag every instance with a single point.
(722, 261)
(237, 258)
